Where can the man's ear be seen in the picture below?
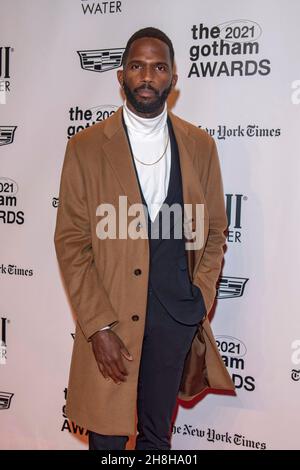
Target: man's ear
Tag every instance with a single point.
(120, 77)
(174, 80)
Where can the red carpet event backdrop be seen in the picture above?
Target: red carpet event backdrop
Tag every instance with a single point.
(239, 79)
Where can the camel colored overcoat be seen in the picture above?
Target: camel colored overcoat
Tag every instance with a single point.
(99, 273)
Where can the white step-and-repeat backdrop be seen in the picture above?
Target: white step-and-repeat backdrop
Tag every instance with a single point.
(239, 78)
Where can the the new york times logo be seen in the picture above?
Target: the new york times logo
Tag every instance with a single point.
(229, 287)
(102, 8)
(14, 270)
(3, 340)
(69, 425)
(234, 216)
(5, 400)
(8, 202)
(7, 134)
(236, 39)
(234, 352)
(5, 57)
(101, 60)
(295, 358)
(223, 132)
(213, 436)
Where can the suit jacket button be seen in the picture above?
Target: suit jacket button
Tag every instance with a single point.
(135, 317)
(137, 272)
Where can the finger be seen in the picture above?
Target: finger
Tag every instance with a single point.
(103, 371)
(119, 376)
(111, 372)
(121, 366)
(126, 353)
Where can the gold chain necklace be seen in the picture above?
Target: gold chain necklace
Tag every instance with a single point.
(159, 157)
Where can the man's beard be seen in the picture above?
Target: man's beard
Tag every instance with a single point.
(144, 107)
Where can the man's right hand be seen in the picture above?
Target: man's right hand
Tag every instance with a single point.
(108, 349)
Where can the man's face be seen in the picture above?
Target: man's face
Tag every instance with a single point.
(147, 77)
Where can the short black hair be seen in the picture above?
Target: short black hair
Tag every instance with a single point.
(149, 32)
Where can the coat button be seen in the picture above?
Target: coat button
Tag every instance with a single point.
(135, 317)
(137, 272)
(139, 225)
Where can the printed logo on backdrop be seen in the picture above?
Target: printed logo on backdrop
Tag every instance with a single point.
(101, 60)
(295, 96)
(229, 287)
(7, 134)
(234, 207)
(14, 270)
(102, 8)
(211, 435)
(8, 202)
(230, 49)
(70, 426)
(5, 400)
(5, 65)
(82, 118)
(295, 358)
(234, 355)
(223, 132)
(3, 340)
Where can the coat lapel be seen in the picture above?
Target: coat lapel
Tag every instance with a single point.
(118, 153)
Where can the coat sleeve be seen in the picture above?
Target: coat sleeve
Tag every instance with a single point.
(210, 265)
(73, 245)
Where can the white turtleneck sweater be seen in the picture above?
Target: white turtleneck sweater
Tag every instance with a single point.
(148, 139)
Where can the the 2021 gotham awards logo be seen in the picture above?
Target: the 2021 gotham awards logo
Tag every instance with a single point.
(295, 358)
(5, 66)
(3, 340)
(234, 203)
(7, 134)
(8, 203)
(5, 400)
(230, 49)
(69, 425)
(229, 287)
(101, 8)
(83, 118)
(101, 60)
(234, 353)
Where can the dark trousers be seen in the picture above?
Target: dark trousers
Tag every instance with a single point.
(165, 346)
